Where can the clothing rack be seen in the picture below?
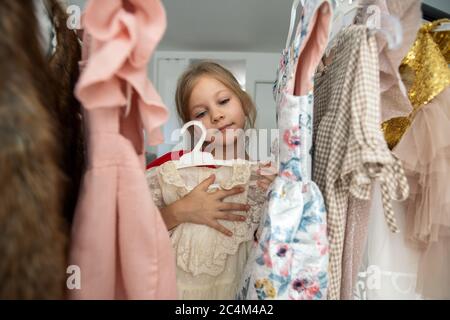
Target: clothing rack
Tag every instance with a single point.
(430, 13)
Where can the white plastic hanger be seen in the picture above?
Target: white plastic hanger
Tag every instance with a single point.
(345, 12)
(389, 26)
(343, 15)
(293, 17)
(294, 9)
(443, 27)
(200, 158)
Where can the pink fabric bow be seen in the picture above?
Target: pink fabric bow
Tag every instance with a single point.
(123, 41)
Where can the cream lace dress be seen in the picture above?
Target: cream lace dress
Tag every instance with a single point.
(209, 264)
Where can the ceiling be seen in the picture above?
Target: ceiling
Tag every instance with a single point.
(226, 25)
(231, 25)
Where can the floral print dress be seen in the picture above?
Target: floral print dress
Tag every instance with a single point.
(289, 260)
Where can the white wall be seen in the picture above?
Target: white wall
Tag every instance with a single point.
(259, 65)
(167, 66)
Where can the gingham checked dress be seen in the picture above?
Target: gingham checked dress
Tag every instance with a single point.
(290, 258)
(350, 151)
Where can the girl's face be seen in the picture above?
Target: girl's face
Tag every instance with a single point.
(217, 107)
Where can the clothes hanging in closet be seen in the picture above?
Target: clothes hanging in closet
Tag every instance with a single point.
(425, 153)
(389, 266)
(394, 96)
(209, 264)
(65, 55)
(119, 239)
(290, 259)
(350, 151)
(431, 77)
(394, 101)
(40, 153)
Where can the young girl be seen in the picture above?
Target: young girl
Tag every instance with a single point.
(212, 213)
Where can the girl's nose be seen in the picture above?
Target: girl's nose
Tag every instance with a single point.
(216, 116)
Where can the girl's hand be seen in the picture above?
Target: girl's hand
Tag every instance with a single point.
(202, 207)
(268, 173)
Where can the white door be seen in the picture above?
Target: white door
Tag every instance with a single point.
(168, 72)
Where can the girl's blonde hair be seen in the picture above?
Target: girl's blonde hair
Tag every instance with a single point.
(189, 79)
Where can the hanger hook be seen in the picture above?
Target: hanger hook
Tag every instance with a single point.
(195, 123)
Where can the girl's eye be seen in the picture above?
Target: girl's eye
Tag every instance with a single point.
(224, 101)
(200, 114)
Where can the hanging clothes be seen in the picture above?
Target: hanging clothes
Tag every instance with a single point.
(65, 55)
(425, 153)
(431, 77)
(350, 151)
(394, 102)
(356, 231)
(394, 261)
(414, 264)
(290, 259)
(209, 264)
(389, 265)
(40, 142)
(394, 96)
(119, 240)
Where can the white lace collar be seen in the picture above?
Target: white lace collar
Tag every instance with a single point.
(241, 175)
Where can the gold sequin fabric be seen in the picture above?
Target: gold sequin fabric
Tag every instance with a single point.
(394, 129)
(428, 62)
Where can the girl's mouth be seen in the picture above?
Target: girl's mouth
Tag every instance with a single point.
(228, 126)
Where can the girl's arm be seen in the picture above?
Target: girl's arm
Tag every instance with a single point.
(203, 207)
(170, 216)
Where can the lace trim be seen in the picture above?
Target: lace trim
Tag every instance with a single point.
(241, 175)
(211, 253)
(170, 175)
(201, 249)
(155, 189)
